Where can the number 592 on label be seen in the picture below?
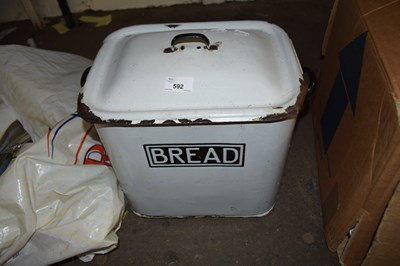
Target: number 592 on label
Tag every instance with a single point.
(179, 84)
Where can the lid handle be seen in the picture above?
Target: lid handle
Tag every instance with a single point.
(188, 38)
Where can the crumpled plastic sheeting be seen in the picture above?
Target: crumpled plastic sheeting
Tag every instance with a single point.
(57, 200)
(41, 86)
(7, 117)
(60, 197)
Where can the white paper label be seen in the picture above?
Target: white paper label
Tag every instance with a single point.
(178, 84)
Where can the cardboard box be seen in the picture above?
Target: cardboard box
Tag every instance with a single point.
(385, 248)
(356, 120)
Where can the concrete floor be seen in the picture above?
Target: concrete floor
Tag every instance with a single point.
(292, 234)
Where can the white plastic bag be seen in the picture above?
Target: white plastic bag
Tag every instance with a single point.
(59, 198)
(41, 86)
(7, 117)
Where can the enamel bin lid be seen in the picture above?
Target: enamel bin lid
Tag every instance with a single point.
(215, 71)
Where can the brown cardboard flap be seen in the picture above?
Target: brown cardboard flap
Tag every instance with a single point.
(353, 149)
(384, 26)
(385, 248)
(356, 119)
(369, 6)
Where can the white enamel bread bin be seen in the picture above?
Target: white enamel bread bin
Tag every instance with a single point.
(196, 117)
